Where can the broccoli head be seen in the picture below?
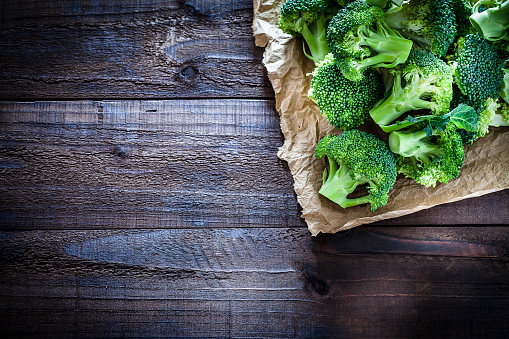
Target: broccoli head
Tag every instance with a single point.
(309, 19)
(490, 19)
(478, 69)
(430, 24)
(424, 81)
(344, 102)
(359, 39)
(357, 158)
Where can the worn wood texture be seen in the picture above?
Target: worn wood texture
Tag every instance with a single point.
(109, 164)
(154, 163)
(129, 49)
(249, 282)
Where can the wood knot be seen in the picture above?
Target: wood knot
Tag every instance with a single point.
(119, 152)
(319, 286)
(188, 73)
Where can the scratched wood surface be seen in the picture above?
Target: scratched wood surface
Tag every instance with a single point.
(142, 196)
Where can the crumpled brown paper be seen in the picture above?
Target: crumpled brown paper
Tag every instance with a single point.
(485, 169)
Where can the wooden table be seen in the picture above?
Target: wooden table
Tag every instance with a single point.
(142, 196)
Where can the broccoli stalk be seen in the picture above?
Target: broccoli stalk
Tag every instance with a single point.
(338, 184)
(309, 19)
(423, 82)
(415, 145)
(492, 23)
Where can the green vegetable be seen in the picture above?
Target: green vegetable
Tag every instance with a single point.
(431, 150)
(359, 39)
(430, 24)
(492, 22)
(357, 158)
(309, 19)
(423, 82)
(345, 103)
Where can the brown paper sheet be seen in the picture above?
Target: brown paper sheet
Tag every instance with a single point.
(485, 169)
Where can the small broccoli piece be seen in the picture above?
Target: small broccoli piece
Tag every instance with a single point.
(501, 116)
(359, 39)
(345, 103)
(485, 111)
(479, 69)
(427, 157)
(492, 23)
(309, 19)
(357, 158)
(423, 82)
(430, 24)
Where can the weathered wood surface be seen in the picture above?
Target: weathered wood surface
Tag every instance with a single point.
(260, 283)
(161, 163)
(125, 216)
(129, 49)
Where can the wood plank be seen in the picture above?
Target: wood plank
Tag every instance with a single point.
(252, 282)
(176, 163)
(129, 49)
(155, 164)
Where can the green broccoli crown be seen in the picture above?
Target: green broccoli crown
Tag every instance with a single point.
(490, 18)
(428, 159)
(345, 103)
(309, 19)
(359, 39)
(424, 81)
(479, 69)
(357, 158)
(431, 24)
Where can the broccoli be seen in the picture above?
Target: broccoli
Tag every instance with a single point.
(504, 85)
(462, 11)
(478, 69)
(357, 158)
(309, 19)
(359, 39)
(501, 116)
(345, 103)
(485, 111)
(423, 82)
(430, 24)
(431, 150)
(490, 19)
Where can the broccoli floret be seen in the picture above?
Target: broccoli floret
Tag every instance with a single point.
(344, 102)
(492, 23)
(309, 19)
(504, 85)
(479, 69)
(357, 158)
(359, 39)
(462, 11)
(427, 157)
(423, 82)
(430, 24)
(501, 116)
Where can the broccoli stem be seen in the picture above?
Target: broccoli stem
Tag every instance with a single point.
(338, 184)
(400, 101)
(391, 48)
(498, 120)
(315, 36)
(414, 144)
(492, 23)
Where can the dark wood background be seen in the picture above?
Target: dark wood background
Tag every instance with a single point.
(142, 196)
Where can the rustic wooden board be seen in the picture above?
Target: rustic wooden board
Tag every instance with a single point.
(129, 49)
(185, 163)
(252, 282)
(163, 163)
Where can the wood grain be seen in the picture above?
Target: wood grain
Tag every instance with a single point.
(177, 163)
(129, 49)
(250, 282)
